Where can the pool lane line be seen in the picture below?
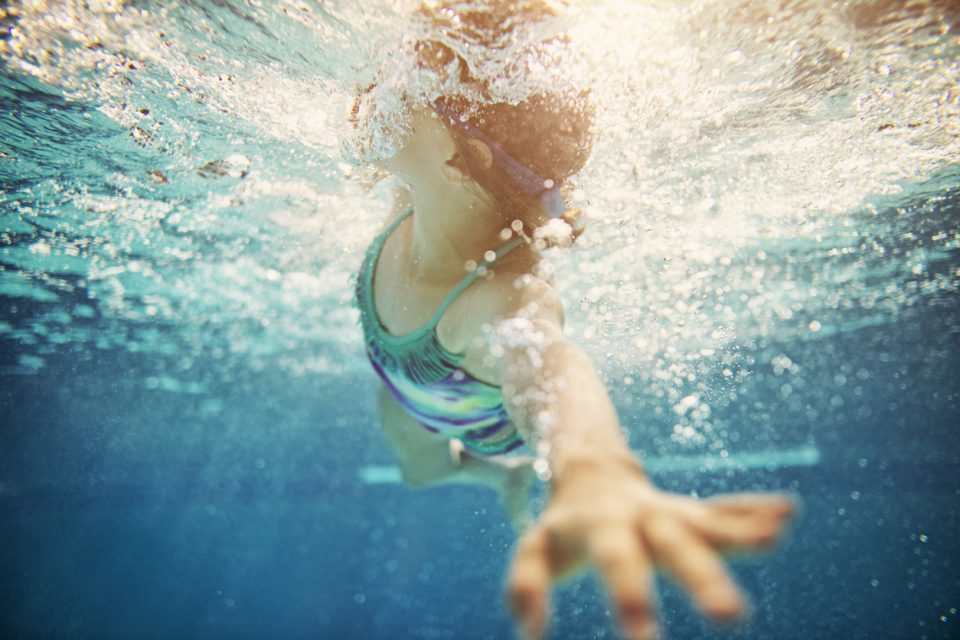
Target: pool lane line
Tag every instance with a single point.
(803, 456)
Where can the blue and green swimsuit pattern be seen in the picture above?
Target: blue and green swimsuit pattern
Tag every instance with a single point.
(424, 377)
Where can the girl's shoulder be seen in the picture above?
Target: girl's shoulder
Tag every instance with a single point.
(491, 309)
(401, 207)
(506, 294)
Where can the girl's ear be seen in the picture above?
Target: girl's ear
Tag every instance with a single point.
(482, 151)
(453, 169)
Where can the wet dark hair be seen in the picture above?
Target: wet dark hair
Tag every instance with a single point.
(545, 133)
(549, 133)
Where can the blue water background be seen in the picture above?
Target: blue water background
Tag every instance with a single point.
(137, 514)
(155, 485)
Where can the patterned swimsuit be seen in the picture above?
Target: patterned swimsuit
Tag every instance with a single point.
(424, 377)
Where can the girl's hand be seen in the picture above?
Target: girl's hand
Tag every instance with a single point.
(515, 491)
(606, 513)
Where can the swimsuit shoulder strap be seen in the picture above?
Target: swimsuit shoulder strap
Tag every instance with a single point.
(377, 245)
(369, 267)
(472, 277)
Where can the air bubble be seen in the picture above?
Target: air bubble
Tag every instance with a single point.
(542, 468)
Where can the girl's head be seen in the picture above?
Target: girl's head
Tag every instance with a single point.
(495, 73)
(521, 154)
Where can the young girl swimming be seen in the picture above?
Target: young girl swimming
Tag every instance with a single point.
(466, 332)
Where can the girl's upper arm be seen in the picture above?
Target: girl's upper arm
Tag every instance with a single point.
(535, 303)
(511, 313)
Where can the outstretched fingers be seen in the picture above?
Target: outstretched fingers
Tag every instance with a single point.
(528, 588)
(776, 506)
(697, 566)
(626, 569)
(743, 522)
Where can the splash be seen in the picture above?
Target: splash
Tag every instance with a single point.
(523, 53)
(173, 182)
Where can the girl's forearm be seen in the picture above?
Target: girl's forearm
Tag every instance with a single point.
(562, 406)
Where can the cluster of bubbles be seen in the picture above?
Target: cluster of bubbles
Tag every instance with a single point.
(506, 61)
(767, 175)
(189, 195)
(761, 173)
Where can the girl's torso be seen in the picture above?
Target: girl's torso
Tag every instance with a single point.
(425, 340)
(405, 304)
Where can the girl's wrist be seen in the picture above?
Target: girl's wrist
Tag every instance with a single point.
(575, 462)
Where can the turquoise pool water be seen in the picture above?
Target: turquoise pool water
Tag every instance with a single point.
(769, 284)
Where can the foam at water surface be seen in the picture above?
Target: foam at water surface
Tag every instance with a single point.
(758, 175)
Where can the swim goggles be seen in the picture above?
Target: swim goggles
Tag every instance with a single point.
(544, 190)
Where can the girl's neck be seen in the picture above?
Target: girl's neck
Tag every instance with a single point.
(450, 229)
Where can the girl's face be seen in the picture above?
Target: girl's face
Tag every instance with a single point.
(424, 162)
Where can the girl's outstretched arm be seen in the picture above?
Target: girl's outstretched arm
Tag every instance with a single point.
(602, 509)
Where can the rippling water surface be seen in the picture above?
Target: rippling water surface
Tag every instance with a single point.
(771, 270)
